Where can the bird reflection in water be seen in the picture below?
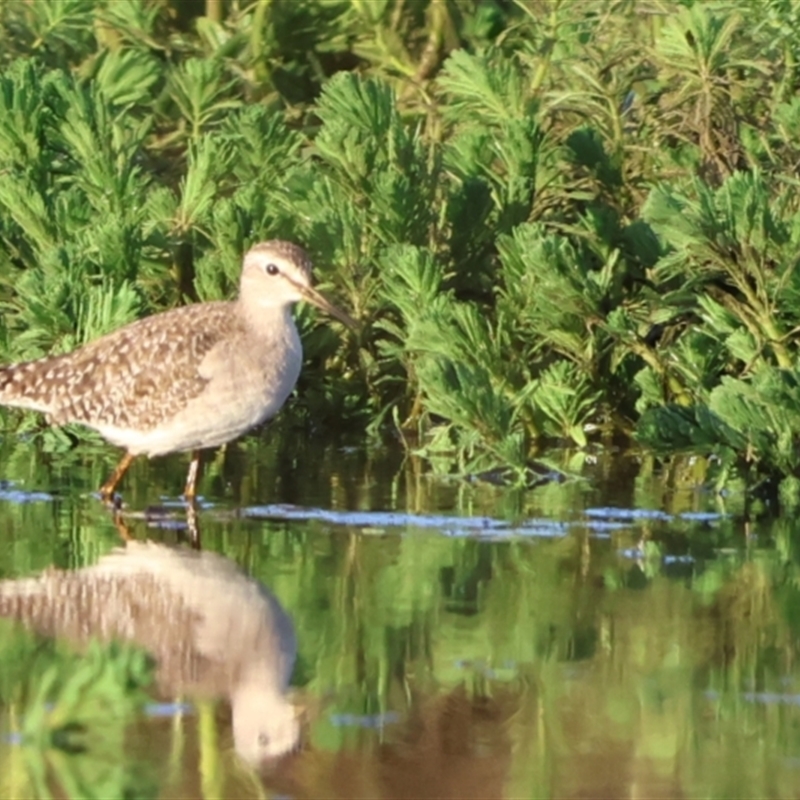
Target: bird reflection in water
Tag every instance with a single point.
(212, 630)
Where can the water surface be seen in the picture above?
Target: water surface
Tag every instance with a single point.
(620, 633)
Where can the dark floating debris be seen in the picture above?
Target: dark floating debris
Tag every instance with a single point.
(534, 475)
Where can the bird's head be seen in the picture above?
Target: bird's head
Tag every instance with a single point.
(266, 724)
(277, 274)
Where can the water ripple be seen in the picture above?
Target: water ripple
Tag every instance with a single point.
(599, 522)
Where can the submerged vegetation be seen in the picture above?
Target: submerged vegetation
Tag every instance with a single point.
(553, 220)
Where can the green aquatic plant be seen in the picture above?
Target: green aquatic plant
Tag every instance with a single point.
(555, 221)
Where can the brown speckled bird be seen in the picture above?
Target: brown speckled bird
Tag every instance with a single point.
(187, 379)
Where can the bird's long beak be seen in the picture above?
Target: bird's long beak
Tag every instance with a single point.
(312, 296)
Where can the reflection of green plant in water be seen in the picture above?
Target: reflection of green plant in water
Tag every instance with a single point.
(73, 733)
(628, 669)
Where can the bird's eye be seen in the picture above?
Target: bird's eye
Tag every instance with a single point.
(263, 739)
(272, 269)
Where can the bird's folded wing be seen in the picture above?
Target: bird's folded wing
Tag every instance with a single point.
(137, 376)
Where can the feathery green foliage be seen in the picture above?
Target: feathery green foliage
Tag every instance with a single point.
(553, 220)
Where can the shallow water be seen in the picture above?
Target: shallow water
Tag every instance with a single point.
(620, 633)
